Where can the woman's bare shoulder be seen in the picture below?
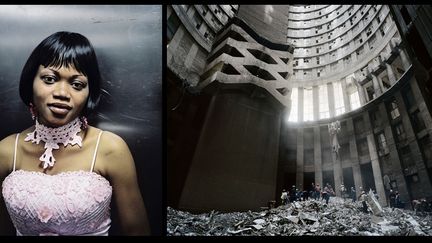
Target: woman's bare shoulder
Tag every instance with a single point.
(112, 143)
(114, 149)
(7, 146)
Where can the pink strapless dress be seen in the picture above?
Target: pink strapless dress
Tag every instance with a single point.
(69, 203)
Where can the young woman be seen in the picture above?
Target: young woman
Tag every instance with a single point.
(60, 176)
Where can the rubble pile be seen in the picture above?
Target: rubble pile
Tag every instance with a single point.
(340, 217)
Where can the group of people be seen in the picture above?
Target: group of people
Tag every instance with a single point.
(422, 205)
(293, 195)
(395, 200)
(315, 192)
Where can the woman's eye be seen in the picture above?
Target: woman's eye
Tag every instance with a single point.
(78, 85)
(49, 79)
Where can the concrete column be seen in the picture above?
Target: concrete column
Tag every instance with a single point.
(337, 170)
(317, 155)
(379, 186)
(380, 84)
(390, 74)
(388, 50)
(215, 164)
(191, 56)
(315, 103)
(345, 95)
(300, 157)
(337, 173)
(395, 168)
(426, 188)
(269, 21)
(331, 100)
(361, 93)
(174, 43)
(355, 162)
(427, 118)
(404, 57)
(376, 85)
(376, 169)
(300, 104)
(358, 181)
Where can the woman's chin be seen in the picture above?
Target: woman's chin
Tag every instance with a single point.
(55, 121)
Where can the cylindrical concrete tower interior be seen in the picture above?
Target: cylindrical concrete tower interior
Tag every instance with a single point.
(264, 97)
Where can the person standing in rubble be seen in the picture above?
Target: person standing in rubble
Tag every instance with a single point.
(326, 194)
(353, 194)
(375, 194)
(392, 197)
(299, 194)
(420, 205)
(284, 197)
(317, 192)
(292, 194)
(330, 191)
(305, 195)
(398, 201)
(417, 205)
(312, 191)
(363, 198)
(342, 190)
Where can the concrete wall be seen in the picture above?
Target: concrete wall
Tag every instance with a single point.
(235, 164)
(269, 21)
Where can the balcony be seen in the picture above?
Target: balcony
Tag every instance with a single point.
(378, 65)
(363, 76)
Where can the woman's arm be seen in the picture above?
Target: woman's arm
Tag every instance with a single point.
(120, 168)
(6, 226)
(6, 160)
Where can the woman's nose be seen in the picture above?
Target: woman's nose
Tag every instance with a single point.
(61, 91)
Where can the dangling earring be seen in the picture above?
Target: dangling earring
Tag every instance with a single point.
(84, 122)
(33, 111)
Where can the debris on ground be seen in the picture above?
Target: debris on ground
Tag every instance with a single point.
(313, 217)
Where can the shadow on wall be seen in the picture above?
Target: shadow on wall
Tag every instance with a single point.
(127, 40)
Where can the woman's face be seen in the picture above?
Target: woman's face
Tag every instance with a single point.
(59, 95)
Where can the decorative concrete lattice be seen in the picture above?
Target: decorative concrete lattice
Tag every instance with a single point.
(237, 58)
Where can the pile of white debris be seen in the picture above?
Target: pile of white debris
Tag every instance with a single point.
(340, 217)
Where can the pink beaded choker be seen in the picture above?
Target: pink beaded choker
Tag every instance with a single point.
(67, 134)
